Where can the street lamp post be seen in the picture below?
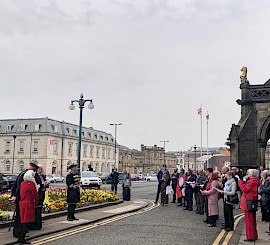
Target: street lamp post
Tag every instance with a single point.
(81, 103)
(14, 139)
(115, 142)
(195, 148)
(164, 141)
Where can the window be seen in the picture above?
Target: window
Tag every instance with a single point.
(55, 147)
(107, 138)
(67, 129)
(54, 128)
(70, 148)
(21, 166)
(75, 132)
(7, 166)
(103, 152)
(23, 127)
(9, 128)
(37, 127)
(35, 148)
(91, 150)
(96, 136)
(89, 135)
(97, 151)
(85, 150)
(109, 153)
(82, 134)
(21, 146)
(101, 137)
(7, 146)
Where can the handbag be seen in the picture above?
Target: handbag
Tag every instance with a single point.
(169, 190)
(233, 199)
(252, 205)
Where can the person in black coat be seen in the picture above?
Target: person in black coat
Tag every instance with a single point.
(73, 191)
(162, 171)
(174, 179)
(190, 184)
(15, 198)
(115, 179)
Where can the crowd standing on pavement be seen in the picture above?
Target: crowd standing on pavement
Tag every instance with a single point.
(236, 189)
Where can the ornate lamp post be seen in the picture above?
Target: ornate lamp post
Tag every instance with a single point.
(81, 103)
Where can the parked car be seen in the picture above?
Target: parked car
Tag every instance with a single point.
(54, 178)
(5, 184)
(104, 177)
(120, 178)
(11, 179)
(135, 177)
(90, 179)
(152, 177)
(141, 176)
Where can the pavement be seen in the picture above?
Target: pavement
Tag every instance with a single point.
(59, 224)
(263, 237)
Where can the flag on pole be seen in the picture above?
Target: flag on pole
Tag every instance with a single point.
(207, 116)
(200, 111)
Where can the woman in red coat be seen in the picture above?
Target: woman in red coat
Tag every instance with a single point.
(27, 204)
(250, 192)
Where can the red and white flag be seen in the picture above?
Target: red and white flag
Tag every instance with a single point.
(200, 111)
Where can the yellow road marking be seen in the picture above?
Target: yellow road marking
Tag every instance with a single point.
(230, 234)
(222, 233)
(92, 226)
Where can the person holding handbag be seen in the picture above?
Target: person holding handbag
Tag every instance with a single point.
(230, 199)
(126, 186)
(249, 203)
(264, 186)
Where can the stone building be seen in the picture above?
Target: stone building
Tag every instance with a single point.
(53, 144)
(149, 160)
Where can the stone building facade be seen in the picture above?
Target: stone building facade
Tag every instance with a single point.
(53, 144)
(149, 160)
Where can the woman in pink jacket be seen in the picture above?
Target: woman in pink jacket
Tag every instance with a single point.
(212, 197)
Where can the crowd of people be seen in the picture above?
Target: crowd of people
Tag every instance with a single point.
(206, 188)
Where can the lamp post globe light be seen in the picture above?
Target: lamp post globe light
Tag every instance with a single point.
(81, 102)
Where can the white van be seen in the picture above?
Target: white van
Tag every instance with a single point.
(90, 179)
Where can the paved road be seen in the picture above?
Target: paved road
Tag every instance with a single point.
(162, 225)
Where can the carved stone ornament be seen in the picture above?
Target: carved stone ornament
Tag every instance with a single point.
(243, 76)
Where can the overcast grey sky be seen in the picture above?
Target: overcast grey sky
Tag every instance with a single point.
(148, 64)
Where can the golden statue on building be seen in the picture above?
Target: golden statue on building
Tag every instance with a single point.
(243, 76)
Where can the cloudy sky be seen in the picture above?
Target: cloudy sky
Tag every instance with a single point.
(148, 64)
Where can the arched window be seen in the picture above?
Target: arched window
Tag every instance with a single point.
(21, 166)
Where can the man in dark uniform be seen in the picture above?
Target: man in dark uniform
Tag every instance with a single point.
(73, 191)
(190, 184)
(174, 178)
(15, 197)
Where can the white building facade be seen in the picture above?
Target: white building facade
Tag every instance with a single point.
(54, 145)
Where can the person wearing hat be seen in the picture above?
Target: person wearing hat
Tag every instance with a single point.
(15, 198)
(73, 191)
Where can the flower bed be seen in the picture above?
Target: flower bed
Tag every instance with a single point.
(56, 200)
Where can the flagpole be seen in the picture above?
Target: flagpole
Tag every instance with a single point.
(201, 135)
(207, 120)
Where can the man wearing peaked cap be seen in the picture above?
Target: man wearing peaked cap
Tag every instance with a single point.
(73, 191)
